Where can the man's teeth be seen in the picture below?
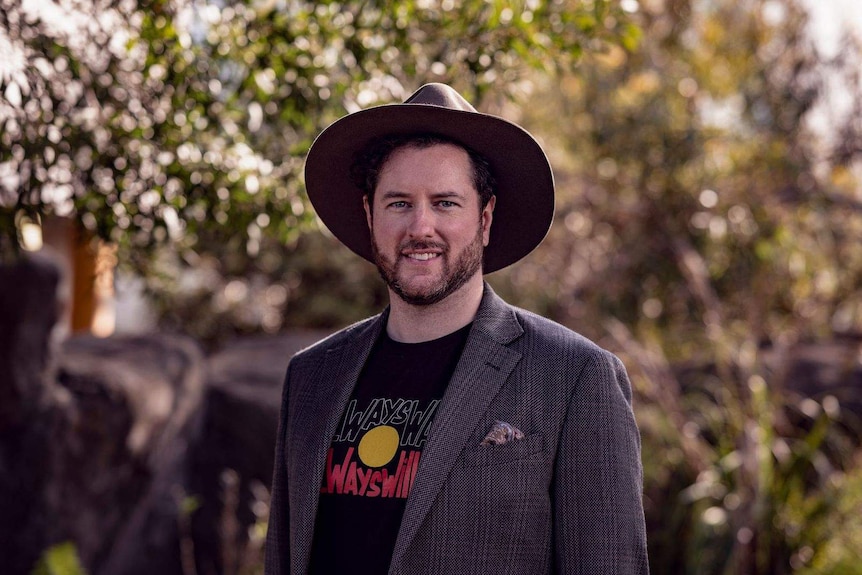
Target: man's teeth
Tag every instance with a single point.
(423, 257)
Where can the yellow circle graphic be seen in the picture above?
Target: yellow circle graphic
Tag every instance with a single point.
(378, 446)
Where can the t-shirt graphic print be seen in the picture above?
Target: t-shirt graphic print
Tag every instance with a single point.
(382, 445)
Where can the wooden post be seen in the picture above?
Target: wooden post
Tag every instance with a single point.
(89, 283)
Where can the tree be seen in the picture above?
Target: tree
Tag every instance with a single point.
(171, 122)
(178, 121)
(707, 229)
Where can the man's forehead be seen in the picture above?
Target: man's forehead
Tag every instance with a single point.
(434, 161)
(421, 147)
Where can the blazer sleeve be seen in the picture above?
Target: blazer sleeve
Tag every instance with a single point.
(277, 552)
(598, 487)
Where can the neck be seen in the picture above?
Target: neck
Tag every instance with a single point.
(414, 324)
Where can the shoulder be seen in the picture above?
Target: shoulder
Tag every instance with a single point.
(552, 336)
(555, 346)
(567, 356)
(536, 337)
(317, 351)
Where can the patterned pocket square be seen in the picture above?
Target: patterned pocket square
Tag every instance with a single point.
(501, 433)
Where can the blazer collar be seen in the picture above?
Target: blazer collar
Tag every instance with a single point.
(485, 364)
(496, 319)
(322, 400)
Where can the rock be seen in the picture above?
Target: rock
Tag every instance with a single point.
(94, 447)
(145, 455)
(28, 313)
(827, 368)
(29, 414)
(233, 459)
(138, 403)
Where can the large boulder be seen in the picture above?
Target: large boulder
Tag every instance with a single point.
(30, 418)
(111, 471)
(824, 368)
(146, 455)
(93, 443)
(122, 471)
(233, 458)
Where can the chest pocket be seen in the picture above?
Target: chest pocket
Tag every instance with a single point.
(528, 449)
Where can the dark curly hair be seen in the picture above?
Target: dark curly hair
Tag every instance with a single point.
(368, 164)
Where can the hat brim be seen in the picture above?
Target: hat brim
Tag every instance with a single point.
(524, 207)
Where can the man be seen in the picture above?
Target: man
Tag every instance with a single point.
(452, 433)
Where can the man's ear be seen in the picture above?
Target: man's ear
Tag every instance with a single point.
(487, 218)
(368, 217)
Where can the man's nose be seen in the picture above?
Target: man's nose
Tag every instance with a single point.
(422, 222)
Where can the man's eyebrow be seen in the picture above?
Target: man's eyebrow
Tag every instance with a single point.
(393, 194)
(396, 194)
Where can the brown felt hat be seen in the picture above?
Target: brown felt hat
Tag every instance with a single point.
(525, 184)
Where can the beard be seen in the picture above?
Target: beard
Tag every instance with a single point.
(453, 275)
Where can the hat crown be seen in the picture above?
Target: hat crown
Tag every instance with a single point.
(441, 95)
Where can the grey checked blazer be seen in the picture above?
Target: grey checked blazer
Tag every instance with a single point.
(564, 499)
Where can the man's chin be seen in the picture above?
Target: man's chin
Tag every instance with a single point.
(420, 295)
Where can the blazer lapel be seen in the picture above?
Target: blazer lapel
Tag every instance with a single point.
(322, 401)
(485, 364)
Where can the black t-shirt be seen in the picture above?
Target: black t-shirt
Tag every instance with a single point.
(375, 453)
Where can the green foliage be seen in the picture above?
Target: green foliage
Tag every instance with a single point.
(189, 504)
(694, 191)
(767, 501)
(186, 123)
(699, 208)
(61, 559)
(842, 533)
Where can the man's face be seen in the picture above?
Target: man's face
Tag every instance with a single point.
(427, 229)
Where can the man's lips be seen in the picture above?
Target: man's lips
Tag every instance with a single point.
(422, 251)
(422, 256)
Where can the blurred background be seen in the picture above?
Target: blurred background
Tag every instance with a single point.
(160, 260)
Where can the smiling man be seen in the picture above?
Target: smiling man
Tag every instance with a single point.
(429, 226)
(452, 433)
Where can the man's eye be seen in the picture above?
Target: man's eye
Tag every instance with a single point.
(398, 205)
(447, 204)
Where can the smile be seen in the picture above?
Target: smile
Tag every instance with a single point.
(422, 256)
